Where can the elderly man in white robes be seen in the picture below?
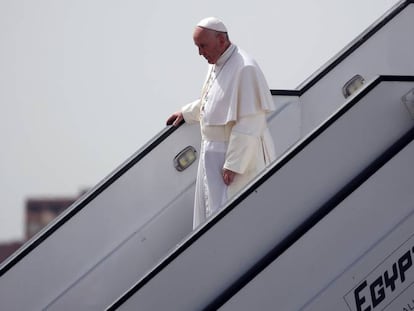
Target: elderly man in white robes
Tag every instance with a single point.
(236, 143)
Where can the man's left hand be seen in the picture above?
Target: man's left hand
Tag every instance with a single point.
(228, 176)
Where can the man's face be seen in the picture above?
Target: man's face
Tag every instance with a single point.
(209, 43)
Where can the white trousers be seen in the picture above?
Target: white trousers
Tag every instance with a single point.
(211, 191)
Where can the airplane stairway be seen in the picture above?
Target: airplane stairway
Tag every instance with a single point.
(356, 255)
(126, 224)
(316, 172)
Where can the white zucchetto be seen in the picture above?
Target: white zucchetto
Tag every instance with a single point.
(212, 23)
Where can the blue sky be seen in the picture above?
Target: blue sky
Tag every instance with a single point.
(85, 83)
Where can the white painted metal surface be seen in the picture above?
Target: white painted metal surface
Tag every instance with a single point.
(388, 51)
(114, 231)
(337, 263)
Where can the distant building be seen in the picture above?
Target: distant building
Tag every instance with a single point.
(7, 249)
(39, 212)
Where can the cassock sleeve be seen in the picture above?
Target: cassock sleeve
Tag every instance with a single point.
(244, 144)
(191, 111)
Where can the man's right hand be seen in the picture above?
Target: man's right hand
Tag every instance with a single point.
(175, 119)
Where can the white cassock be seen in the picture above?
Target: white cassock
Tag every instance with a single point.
(232, 114)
